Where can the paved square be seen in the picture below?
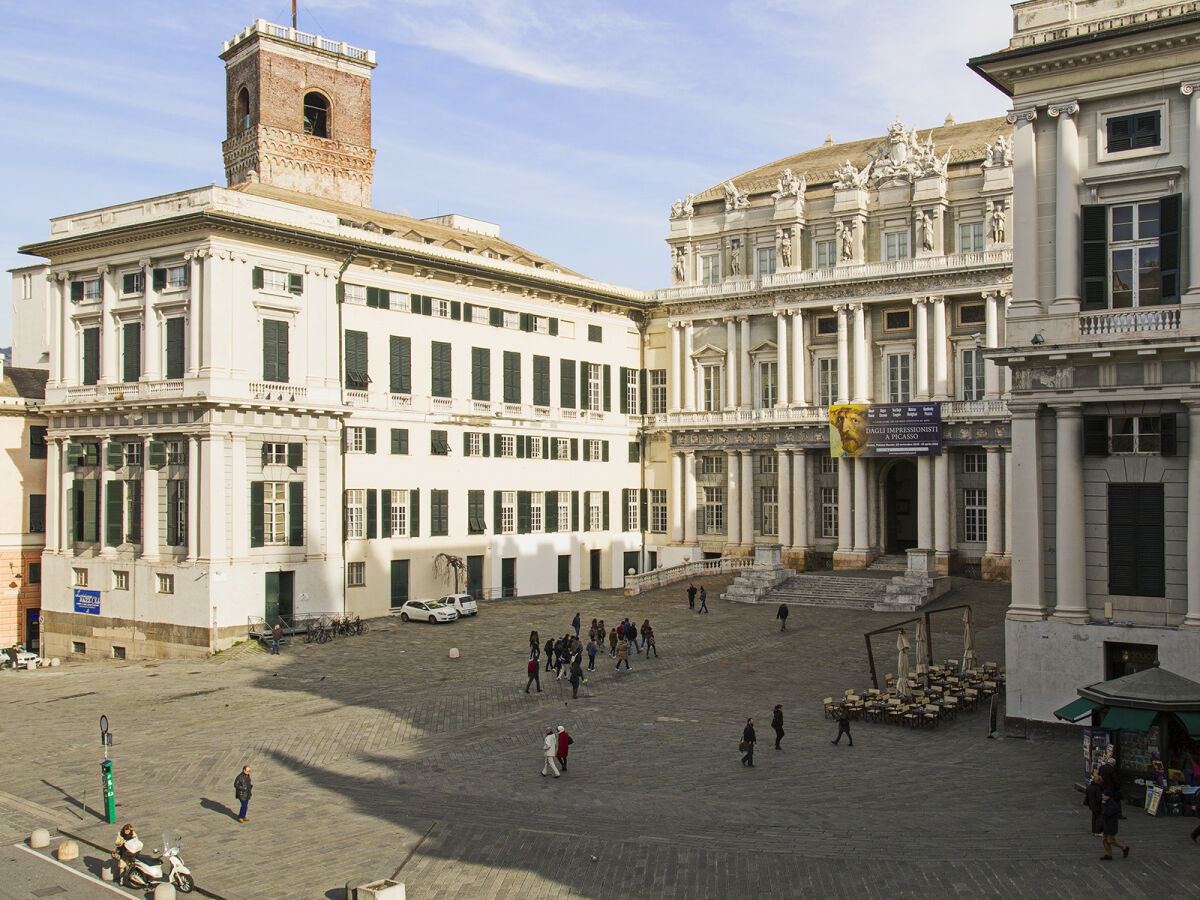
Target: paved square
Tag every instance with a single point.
(360, 747)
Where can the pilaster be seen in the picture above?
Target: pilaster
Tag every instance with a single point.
(1024, 222)
(1192, 619)
(1066, 210)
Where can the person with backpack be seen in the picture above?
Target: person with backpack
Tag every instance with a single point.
(564, 741)
(648, 634)
(535, 675)
(575, 624)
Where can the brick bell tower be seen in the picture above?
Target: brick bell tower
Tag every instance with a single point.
(298, 108)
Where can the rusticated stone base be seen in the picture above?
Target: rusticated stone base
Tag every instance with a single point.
(996, 568)
(140, 640)
(799, 560)
(853, 559)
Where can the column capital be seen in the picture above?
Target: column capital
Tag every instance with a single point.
(920, 301)
(144, 262)
(690, 451)
(1027, 114)
(104, 268)
(937, 298)
(1187, 88)
(1066, 109)
(60, 276)
(743, 318)
(1067, 410)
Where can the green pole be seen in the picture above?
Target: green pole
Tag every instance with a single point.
(110, 795)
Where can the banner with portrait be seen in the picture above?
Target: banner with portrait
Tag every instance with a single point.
(885, 429)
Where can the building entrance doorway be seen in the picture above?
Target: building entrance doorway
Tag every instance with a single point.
(475, 576)
(594, 557)
(900, 503)
(279, 603)
(33, 630)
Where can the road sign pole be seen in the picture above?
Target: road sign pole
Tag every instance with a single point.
(110, 794)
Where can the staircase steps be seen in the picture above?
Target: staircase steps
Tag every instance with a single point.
(830, 590)
(893, 562)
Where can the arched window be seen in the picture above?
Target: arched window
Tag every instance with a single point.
(316, 115)
(243, 110)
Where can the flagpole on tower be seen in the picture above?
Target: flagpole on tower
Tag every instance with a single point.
(293, 15)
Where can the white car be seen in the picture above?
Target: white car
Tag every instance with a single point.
(428, 610)
(462, 603)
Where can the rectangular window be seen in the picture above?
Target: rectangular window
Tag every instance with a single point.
(37, 441)
(440, 385)
(438, 308)
(632, 510)
(714, 510)
(35, 573)
(398, 514)
(975, 514)
(508, 512)
(767, 377)
(972, 374)
(512, 377)
(897, 319)
(1138, 131)
(770, 510)
(971, 314)
(37, 513)
(480, 315)
(974, 463)
(710, 378)
(177, 277)
(564, 510)
(133, 283)
(80, 577)
(895, 245)
(400, 441)
(827, 380)
(131, 360)
(439, 445)
(970, 237)
(357, 377)
(1136, 434)
(357, 293)
(175, 347)
(120, 581)
(537, 508)
(273, 280)
(506, 445)
(710, 268)
(481, 373)
(399, 364)
(595, 334)
(90, 338)
(828, 465)
(712, 465)
(356, 574)
(658, 511)
(86, 290)
(899, 368)
(1136, 540)
(594, 511)
(825, 254)
(275, 350)
(177, 523)
(176, 453)
(275, 453)
(593, 386)
(165, 582)
(356, 513)
(476, 518)
(769, 464)
(439, 513)
(825, 326)
(133, 512)
(829, 512)
(658, 391)
(474, 443)
(356, 439)
(1134, 254)
(766, 261)
(631, 392)
(541, 324)
(275, 512)
(535, 448)
(594, 450)
(562, 448)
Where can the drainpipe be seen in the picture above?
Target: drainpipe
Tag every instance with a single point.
(341, 343)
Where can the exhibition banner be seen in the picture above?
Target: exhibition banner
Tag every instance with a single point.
(87, 602)
(885, 429)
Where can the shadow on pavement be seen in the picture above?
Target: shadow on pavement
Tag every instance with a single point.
(217, 807)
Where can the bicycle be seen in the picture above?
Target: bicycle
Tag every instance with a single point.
(360, 627)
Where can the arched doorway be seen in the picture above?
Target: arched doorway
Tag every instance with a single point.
(900, 504)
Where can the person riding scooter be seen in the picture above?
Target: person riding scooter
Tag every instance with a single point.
(127, 849)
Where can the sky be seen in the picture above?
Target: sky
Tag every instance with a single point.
(573, 124)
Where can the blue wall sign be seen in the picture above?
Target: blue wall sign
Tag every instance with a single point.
(87, 601)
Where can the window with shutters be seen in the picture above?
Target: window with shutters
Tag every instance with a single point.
(712, 464)
(274, 280)
(975, 514)
(594, 373)
(562, 448)
(509, 319)
(1136, 546)
(970, 237)
(356, 574)
(439, 513)
(829, 512)
(631, 391)
(827, 380)
(274, 454)
(595, 511)
(541, 381)
(1127, 132)
(770, 510)
(88, 290)
(177, 525)
(713, 513)
(398, 513)
(537, 507)
(357, 378)
(90, 338)
(275, 518)
(480, 315)
(133, 512)
(825, 254)
(439, 308)
(474, 443)
(354, 293)
(399, 364)
(1135, 434)
(275, 350)
(355, 437)
(506, 445)
(512, 377)
(356, 513)
(440, 384)
(1131, 254)
(632, 510)
(564, 510)
(439, 445)
(133, 283)
(535, 448)
(711, 378)
(1134, 254)
(541, 324)
(177, 278)
(176, 331)
(593, 450)
(476, 517)
(658, 510)
(658, 391)
(899, 376)
(508, 512)
(176, 453)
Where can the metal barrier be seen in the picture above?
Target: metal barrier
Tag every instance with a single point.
(635, 584)
(258, 627)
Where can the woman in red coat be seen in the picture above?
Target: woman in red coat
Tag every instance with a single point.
(564, 741)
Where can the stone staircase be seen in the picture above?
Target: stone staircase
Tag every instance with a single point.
(755, 583)
(847, 591)
(891, 562)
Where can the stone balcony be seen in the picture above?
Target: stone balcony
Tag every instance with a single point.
(1045, 21)
(1120, 323)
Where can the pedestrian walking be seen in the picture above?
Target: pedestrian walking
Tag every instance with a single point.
(612, 643)
(535, 675)
(242, 789)
(592, 630)
(650, 645)
(591, 649)
(1112, 781)
(535, 645)
(575, 624)
(782, 616)
(747, 745)
(691, 592)
(276, 639)
(843, 722)
(1093, 799)
(549, 654)
(777, 724)
(564, 741)
(703, 601)
(1110, 813)
(549, 750)
(623, 654)
(576, 678)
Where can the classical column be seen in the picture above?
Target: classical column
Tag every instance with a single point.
(800, 533)
(783, 394)
(193, 501)
(150, 482)
(1024, 212)
(941, 505)
(109, 339)
(314, 520)
(676, 374)
(924, 504)
(921, 364)
(66, 532)
(799, 364)
(783, 495)
(689, 496)
(1066, 207)
(152, 357)
(216, 352)
(746, 397)
(56, 329)
(1027, 593)
(862, 481)
(843, 353)
(1008, 504)
(731, 363)
(677, 497)
(1190, 90)
(239, 516)
(991, 372)
(1070, 584)
(1192, 620)
(941, 347)
(689, 368)
(107, 477)
(733, 494)
(54, 542)
(995, 503)
(747, 498)
(868, 352)
(845, 506)
(861, 388)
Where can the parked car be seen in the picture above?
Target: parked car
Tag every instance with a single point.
(428, 610)
(463, 603)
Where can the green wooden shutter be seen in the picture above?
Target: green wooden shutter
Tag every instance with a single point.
(441, 375)
(541, 381)
(512, 377)
(91, 355)
(456, 310)
(466, 443)
(635, 451)
(414, 513)
(604, 451)
(156, 454)
(604, 510)
(546, 445)
(133, 526)
(369, 435)
(574, 510)
(495, 317)
(584, 387)
(295, 511)
(566, 383)
(1094, 257)
(295, 283)
(256, 278)
(426, 306)
(256, 513)
(626, 525)
(1169, 434)
(487, 444)
(270, 351)
(481, 373)
(574, 448)
(295, 455)
(114, 454)
(497, 515)
(553, 454)
(586, 512)
(1169, 210)
(400, 364)
(400, 441)
(606, 387)
(524, 512)
(526, 322)
(553, 325)
(372, 513)
(357, 363)
(385, 514)
(521, 445)
(467, 313)
(132, 361)
(263, 453)
(551, 514)
(373, 298)
(642, 380)
(643, 522)
(114, 509)
(175, 347)
(414, 304)
(623, 395)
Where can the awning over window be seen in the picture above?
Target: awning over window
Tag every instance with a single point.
(1121, 719)
(1191, 721)
(1076, 709)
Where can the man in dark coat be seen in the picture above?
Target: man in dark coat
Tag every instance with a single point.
(576, 678)
(748, 740)
(1094, 800)
(575, 624)
(691, 592)
(777, 724)
(1110, 812)
(703, 601)
(242, 788)
(843, 719)
(1112, 781)
(535, 675)
(782, 616)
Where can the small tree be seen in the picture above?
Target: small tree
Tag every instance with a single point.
(447, 566)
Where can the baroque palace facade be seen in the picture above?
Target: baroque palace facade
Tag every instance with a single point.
(873, 272)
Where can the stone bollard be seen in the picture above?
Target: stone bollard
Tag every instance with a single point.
(67, 851)
(454, 653)
(40, 839)
(54, 661)
(109, 872)
(164, 891)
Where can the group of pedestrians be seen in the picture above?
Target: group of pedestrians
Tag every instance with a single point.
(691, 595)
(750, 738)
(564, 655)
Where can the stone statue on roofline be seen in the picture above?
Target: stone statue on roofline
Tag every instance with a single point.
(998, 153)
(735, 257)
(789, 185)
(682, 209)
(848, 176)
(783, 241)
(735, 199)
(679, 264)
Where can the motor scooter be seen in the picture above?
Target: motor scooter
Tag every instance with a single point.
(170, 868)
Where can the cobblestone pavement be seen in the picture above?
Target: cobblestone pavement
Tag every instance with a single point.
(362, 747)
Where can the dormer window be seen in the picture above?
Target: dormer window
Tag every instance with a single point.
(316, 115)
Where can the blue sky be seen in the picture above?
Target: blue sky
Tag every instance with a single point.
(572, 123)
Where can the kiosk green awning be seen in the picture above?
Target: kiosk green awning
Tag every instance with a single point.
(1076, 709)
(1191, 721)
(1120, 718)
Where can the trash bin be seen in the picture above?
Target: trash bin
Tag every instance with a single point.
(385, 889)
